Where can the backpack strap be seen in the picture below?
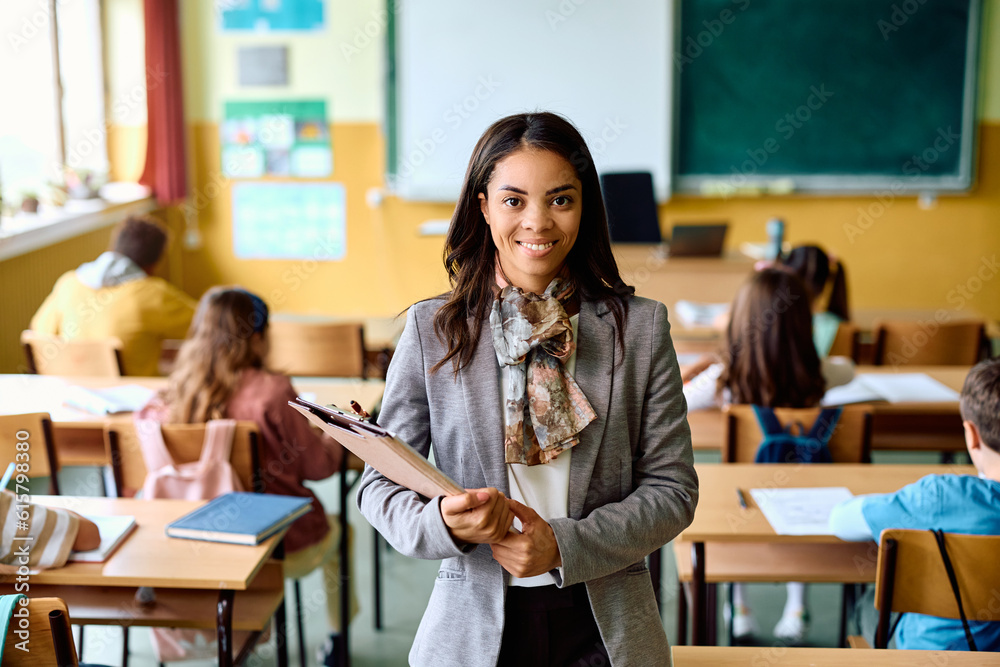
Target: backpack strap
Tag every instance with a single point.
(154, 450)
(218, 443)
(939, 536)
(768, 421)
(822, 429)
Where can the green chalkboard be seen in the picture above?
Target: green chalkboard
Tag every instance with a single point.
(832, 95)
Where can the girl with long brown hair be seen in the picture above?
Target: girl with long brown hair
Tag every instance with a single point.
(769, 359)
(220, 374)
(553, 395)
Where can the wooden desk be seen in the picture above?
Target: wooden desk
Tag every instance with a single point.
(719, 518)
(933, 427)
(79, 435)
(670, 279)
(783, 656)
(198, 583)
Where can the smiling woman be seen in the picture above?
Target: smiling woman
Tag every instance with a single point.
(533, 210)
(565, 422)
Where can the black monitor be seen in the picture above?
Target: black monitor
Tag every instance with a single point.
(631, 207)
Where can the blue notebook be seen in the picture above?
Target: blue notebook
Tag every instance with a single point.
(239, 518)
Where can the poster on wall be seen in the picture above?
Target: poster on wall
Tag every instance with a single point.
(289, 221)
(270, 15)
(276, 138)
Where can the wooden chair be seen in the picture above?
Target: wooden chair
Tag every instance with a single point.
(900, 343)
(912, 577)
(40, 450)
(55, 355)
(184, 442)
(318, 349)
(847, 342)
(849, 443)
(51, 641)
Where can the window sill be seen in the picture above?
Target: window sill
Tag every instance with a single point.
(26, 232)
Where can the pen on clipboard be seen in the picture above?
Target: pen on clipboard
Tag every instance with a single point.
(741, 498)
(5, 480)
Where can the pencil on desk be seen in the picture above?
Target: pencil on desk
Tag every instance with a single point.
(741, 498)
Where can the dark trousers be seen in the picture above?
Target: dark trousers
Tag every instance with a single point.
(551, 627)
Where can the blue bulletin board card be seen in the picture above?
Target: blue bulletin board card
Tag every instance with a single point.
(289, 221)
(270, 15)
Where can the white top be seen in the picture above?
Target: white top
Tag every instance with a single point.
(544, 488)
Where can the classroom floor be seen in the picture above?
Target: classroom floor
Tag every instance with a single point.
(407, 585)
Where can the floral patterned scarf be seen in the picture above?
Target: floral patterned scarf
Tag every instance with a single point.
(533, 335)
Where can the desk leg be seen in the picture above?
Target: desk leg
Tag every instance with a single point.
(655, 573)
(281, 630)
(224, 627)
(345, 571)
(699, 597)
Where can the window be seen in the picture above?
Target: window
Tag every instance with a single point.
(42, 137)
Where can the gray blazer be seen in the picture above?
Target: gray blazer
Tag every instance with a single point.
(632, 484)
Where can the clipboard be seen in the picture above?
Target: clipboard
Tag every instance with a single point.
(380, 449)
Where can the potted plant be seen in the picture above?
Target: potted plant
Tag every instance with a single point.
(29, 202)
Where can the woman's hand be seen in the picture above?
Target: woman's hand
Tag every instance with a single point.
(478, 516)
(532, 551)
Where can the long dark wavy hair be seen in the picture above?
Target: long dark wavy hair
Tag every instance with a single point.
(770, 358)
(815, 268)
(469, 249)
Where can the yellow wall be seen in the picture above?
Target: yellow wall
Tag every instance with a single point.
(906, 258)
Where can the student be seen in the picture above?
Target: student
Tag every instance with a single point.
(769, 360)
(220, 374)
(117, 295)
(54, 533)
(952, 503)
(598, 471)
(824, 277)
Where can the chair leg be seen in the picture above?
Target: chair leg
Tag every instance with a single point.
(682, 614)
(79, 644)
(377, 578)
(713, 615)
(298, 623)
(731, 603)
(125, 634)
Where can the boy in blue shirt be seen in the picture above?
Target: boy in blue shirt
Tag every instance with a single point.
(952, 503)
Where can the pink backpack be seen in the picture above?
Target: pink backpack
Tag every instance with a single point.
(210, 476)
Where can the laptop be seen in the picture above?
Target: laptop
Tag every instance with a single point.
(697, 240)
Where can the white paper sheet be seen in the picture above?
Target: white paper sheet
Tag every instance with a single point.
(909, 387)
(110, 400)
(800, 511)
(892, 387)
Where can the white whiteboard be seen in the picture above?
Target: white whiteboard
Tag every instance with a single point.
(463, 64)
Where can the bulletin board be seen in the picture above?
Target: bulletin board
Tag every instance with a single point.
(289, 221)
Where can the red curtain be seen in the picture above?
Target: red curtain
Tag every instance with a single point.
(165, 170)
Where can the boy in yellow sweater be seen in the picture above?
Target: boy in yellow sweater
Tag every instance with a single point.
(116, 295)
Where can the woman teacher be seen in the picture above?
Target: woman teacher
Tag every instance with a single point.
(553, 395)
